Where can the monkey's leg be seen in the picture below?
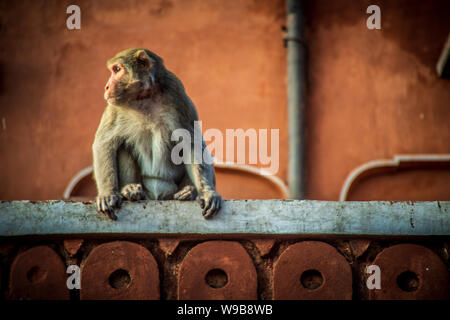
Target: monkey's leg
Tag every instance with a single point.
(187, 190)
(129, 178)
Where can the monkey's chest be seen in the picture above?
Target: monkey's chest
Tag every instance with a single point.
(152, 152)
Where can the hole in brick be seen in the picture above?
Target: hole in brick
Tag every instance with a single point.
(216, 278)
(311, 279)
(408, 281)
(119, 279)
(36, 274)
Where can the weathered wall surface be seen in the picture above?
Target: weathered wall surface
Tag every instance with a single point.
(375, 93)
(371, 94)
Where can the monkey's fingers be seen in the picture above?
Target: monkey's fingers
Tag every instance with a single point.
(210, 209)
(107, 210)
(114, 202)
(110, 213)
(104, 208)
(213, 206)
(187, 193)
(182, 196)
(99, 205)
(107, 204)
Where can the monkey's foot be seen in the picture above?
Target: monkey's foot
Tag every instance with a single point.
(187, 193)
(210, 202)
(133, 192)
(107, 204)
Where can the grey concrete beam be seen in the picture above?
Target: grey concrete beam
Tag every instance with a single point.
(254, 217)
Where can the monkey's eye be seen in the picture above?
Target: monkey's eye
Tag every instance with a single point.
(116, 69)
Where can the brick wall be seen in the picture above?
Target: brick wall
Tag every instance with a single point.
(177, 268)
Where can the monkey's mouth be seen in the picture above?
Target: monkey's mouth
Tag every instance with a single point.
(109, 96)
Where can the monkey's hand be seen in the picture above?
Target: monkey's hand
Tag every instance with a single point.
(210, 202)
(107, 203)
(187, 193)
(133, 192)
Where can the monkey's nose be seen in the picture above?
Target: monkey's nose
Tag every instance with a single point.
(107, 87)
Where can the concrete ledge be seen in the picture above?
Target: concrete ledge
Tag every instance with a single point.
(258, 217)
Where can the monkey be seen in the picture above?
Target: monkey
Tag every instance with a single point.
(132, 147)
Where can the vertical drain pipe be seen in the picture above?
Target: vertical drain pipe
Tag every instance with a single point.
(296, 90)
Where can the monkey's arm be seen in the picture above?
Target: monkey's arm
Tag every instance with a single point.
(201, 174)
(105, 167)
(203, 177)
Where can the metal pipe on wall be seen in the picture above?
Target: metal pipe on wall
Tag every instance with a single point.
(296, 90)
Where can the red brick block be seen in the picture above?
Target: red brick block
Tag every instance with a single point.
(38, 274)
(119, 270)
(312, 270)
(264, 245)
(352, 249)
(358, 247)
(216, 270)
(168, 245)
(73, 245)
(410, 271)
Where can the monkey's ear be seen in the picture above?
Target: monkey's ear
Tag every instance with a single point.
(143, 58)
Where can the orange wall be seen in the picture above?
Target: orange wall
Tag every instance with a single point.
(371, 94)
(228, 54)
(375, 93)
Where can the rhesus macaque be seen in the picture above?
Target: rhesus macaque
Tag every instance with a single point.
(132, 147)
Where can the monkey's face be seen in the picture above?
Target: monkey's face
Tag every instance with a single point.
(132, 77)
